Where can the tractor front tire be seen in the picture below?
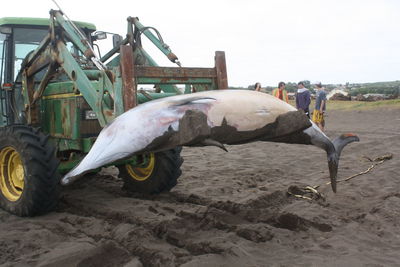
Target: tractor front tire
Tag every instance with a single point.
(158, 173)
(29, 181)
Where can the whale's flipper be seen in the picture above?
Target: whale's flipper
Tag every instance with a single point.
(212, 142)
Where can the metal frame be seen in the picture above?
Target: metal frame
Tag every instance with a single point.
(109, 89)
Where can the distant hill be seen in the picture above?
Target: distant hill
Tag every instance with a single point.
(387, 88)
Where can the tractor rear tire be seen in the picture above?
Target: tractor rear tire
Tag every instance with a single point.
(159, 173)
(29, 180)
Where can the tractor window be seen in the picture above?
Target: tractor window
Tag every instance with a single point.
(2, 57)
(25, 41)
(2, 38)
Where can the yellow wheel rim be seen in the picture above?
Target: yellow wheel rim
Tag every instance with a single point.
(11, 174)
(143, 172)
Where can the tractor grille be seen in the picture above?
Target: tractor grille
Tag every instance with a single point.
(88, 127)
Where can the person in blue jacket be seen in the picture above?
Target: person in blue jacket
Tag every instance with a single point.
(303, 99)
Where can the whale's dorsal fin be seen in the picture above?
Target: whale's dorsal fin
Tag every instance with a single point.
(194, 100)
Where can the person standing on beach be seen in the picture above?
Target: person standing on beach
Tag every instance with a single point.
(320, 106)
(257, 87)
(303, 99)
(280, 92)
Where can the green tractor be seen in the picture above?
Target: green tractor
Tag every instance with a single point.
(56, 94)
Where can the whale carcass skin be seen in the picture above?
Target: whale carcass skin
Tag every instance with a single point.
(207, 118)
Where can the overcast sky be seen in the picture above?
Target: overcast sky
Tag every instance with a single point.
(265, 41)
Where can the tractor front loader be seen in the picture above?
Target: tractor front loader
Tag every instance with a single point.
(56, 95)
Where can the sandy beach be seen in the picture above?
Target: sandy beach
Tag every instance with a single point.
(232, 209)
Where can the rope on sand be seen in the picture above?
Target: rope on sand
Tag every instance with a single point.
(300, 193)
(378, 160)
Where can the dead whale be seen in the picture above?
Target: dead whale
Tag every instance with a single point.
(207, 118)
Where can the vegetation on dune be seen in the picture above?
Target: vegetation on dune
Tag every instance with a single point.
(387, 88)
(363, 105)
(357, 105)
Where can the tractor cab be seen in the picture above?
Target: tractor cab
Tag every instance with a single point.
(19, 36)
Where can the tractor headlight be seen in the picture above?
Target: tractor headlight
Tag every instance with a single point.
(90, 115)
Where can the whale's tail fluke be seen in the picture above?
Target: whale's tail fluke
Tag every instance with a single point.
(343, 140)
(333, 156)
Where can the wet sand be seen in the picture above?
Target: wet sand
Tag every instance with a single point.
(231, 209)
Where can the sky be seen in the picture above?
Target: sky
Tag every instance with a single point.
(266, 41)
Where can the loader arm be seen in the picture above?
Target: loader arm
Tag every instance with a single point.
(141, 57)
(110, 89)
(53, 54)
